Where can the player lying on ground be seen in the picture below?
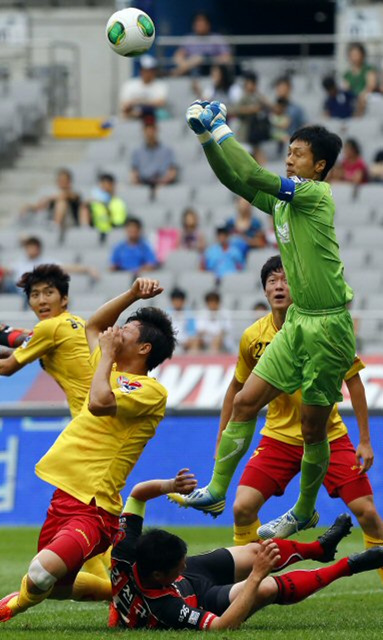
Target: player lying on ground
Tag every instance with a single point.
(59, 342)
(155, 585)
(93, 456)
(316, 346)
(277, 458)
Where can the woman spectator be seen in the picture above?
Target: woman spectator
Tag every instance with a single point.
(191, 236)
(360, 77)
(353, 167)
(221, 86)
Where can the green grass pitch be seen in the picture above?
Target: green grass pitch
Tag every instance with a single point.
(351, 608)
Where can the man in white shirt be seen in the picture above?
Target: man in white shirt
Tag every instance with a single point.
(146, 94)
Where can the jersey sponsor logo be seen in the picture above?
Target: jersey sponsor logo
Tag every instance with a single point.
(183, 613)
(126, 386)
(26, 341)
(194, 617)
(299, 180)
(75, 324)
(283, 232)
(84, 536)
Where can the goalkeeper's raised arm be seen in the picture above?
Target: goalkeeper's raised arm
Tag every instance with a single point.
(231, 163)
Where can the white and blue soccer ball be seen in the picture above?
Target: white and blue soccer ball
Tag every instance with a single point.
(130, 32)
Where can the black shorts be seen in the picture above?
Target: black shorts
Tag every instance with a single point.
(212, 576)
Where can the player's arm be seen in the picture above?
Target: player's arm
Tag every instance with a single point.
(9, 365)
(107, 315)
(133, 513)
(11, 337)
(102, 401)
(359, 404)
(231, 163)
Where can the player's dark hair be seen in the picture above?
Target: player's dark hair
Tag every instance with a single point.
(157, 329)
(51, 274)
(354, 144)
(272, 264)
(158, 550)
(324, 144)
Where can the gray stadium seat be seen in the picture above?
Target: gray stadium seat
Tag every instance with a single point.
(355, 214)
(86, 302)
(10, 302)
(167, 279)
(213, 195)
(78, 238)
(369, 237)
(183, 260)
(343, 193)
(365, 280)
(103, 151)
(177, 195)
(374, 302)
(197, 174)
(240, 283)
(114, 283)
(197, 284)
(256, 258)
(353, 258)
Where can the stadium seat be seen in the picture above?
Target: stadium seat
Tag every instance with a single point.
(86, 302)
(183, 260)
(171, 195)
(366, 280)
(167, 279)
(197, 284)
(343, 193)
(374, 302)
(11, 302)
(213, 196)
(353, 258)
(354, 214)
(78, 238)
(115, 282)
(256, 258)
(241, 283)
(369, 237)
(104, 151)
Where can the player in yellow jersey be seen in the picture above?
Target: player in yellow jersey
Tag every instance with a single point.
(58, 339)
(93, 456)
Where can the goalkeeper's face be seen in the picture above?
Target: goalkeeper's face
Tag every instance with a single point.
(300, 161)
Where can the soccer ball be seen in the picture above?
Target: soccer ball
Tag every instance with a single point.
(130, 32)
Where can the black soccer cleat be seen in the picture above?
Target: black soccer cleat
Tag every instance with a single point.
(367, 560)
(331, 538)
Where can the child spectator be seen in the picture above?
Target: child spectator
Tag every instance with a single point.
(340, 103)
(223, 257)
(214, 326)
(183, 322)
(105, 210)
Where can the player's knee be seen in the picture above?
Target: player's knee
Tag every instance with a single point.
(367, 515)
(40, 577)
(244, 513)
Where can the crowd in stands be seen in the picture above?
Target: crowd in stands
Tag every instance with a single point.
(225, 246)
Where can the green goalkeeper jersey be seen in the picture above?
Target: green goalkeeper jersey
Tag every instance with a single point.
(304, 227)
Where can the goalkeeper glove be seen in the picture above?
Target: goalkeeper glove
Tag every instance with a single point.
(193, 115)
(213, 117)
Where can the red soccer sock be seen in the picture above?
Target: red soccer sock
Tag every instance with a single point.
(292, 551)
(298, 585)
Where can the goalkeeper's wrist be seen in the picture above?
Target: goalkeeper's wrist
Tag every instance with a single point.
(204, 138)
(221, 132)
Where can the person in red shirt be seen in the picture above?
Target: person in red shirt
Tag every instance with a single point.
(353, 167)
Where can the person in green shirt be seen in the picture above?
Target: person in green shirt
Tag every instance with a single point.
(361, 76)
(316, 345)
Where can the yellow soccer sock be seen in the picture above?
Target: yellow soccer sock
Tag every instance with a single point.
(369, 542)
(243, 534)
(107, 559)
(90, 587)
(25, 599)
(96, 567)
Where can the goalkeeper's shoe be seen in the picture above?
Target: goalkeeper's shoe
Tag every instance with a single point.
(200, 499)
(6, 612)
(193, 116)
(331, 538)
(367, 560)
(286, 525)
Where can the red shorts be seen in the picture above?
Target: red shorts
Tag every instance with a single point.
(274, 463)
(76, 531)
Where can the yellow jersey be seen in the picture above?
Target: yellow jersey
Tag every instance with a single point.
(283, 418)
(61, 345)
(94, 455)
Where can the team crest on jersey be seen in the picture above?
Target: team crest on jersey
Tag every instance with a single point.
(26, 341)
(283, 232)
(126, 386)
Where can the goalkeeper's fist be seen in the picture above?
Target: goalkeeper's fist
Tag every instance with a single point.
(213, 115)
(193, 115)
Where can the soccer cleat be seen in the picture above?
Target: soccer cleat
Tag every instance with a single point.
(366, 560)
(201, 500)
(6, 613)
(331, 538)
(286, 525)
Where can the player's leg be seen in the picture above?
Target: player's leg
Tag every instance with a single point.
(370, 521)
(267, 473)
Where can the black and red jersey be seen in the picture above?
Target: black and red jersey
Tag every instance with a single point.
(133, 606)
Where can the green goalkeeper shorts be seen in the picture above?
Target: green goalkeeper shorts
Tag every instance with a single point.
(312, 353)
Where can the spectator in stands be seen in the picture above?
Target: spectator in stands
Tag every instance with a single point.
(134, 253)
(245, 229)
(153, 163)
(223, 257)
(360, 77)
(283, 88)
(105, 210)
(200, 49)
(352, 167)
(252, 112)
(221, 86)
(340, 103)
(64, 206)
(214, 327)
(7, 285)
(183, 321)
(260, 309)
(146, 95)
(280, 124)
(191, 235)
(376, 168)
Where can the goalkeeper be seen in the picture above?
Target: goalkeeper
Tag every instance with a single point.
(316, 346)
